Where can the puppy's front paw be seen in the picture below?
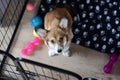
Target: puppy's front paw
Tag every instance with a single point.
(66, 53)
(51, 53)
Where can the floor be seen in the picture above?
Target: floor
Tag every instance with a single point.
(86, 62)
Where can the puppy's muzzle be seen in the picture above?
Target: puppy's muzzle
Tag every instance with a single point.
(59, 50)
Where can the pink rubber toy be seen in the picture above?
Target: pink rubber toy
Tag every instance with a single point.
(37, 41)
(109, 65)
(24, 52)
(31, 46)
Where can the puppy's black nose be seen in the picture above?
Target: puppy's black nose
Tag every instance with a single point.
(59, 50)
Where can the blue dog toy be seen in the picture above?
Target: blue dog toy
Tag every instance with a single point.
(36, 22)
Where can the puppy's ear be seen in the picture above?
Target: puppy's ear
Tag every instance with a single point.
(63, 22)
(41, 32)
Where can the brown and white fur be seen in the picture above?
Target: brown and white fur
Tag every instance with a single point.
(57, 34)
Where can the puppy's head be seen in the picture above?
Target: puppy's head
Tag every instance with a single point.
(56, 38)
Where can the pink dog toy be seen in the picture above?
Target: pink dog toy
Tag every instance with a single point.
(30, 46)
(109, 65)
(30, 6)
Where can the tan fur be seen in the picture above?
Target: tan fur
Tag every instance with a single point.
(57, 34)
(52, 18)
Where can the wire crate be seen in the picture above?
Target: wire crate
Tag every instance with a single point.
(24, 69)
(11, 12)
(11, 68)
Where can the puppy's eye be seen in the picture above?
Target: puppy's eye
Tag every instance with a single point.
(61, 39)
(52, 41)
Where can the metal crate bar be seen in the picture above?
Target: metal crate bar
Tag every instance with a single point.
(15, 69)
(51, 69)
(10, 68)
(14, 19)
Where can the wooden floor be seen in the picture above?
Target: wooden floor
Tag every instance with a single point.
(84, 61)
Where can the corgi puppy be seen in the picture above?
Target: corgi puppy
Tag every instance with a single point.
(57, 34)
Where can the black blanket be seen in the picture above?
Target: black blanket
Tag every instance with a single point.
(96, 24)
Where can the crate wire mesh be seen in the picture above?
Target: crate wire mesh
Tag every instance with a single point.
(12, 68)
(24, 69)
(40, 71)
(8, 72)
(11, 12)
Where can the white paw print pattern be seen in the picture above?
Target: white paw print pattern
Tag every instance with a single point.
(103, 24)
(117, 20)
(103, 48)
(108, 18)
(118, 44)
(103, 38)
(97, 9)
(42, 8)
(117, 36)
(96, 24)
